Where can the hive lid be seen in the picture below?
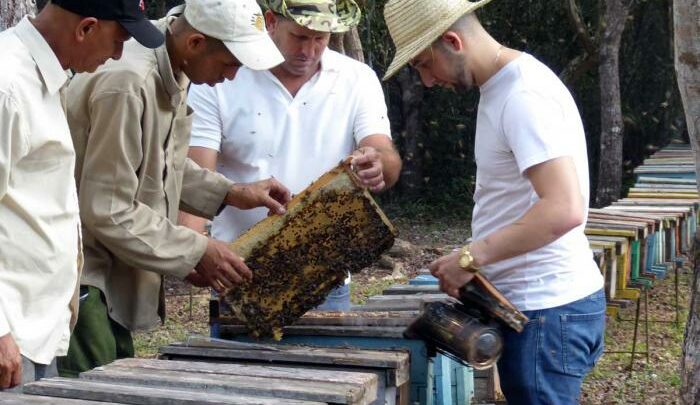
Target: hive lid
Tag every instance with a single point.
(332, 227)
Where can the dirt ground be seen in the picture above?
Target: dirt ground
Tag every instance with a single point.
(611, 382)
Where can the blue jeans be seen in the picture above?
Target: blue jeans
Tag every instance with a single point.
(337, 300)
(546, 363)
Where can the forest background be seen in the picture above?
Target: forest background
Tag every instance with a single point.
(434, 128)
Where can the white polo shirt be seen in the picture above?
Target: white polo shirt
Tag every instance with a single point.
(527, 116)
(39, 223)
(260, 130)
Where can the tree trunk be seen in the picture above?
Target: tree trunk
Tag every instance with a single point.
(612, 127)
(686, 14)
(11, 11)
(411, 181)
(336, 43)
(581, 64)
(353, 45)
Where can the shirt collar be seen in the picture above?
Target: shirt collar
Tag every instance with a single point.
(174, 86)
(49, 67)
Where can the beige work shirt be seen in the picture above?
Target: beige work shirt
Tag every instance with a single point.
(131, 128)
(39, 223)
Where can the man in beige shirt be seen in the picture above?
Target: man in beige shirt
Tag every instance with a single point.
(39, 224)
(131, 127)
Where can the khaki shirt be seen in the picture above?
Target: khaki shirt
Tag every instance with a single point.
(131, 128)
(39, 222)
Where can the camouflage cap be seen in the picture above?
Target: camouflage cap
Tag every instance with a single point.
(318, 15)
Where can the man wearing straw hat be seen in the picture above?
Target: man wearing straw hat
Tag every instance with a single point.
(297, 120)
(531, 196)
(130, 124)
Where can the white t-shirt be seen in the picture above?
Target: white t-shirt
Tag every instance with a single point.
(260, 130)
(527, 116)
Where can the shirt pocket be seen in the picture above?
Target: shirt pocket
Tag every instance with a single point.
(48, 158)
(252, 136)
(180, 138)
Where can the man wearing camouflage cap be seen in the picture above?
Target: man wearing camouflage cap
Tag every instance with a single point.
(298, 119)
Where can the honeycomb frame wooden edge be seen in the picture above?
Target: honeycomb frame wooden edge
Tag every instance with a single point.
(277, 221)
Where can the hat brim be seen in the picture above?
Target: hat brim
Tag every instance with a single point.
(259, 54)
(337, 26)
(144, 32)
(410, 50)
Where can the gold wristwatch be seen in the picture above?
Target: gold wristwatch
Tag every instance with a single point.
(466, 260)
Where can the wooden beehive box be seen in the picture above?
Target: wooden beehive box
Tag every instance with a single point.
(332, 227)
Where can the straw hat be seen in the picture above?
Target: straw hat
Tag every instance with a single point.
(415, 24)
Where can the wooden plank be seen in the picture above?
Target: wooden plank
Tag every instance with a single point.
(658, 202)
(409, 306)
(232, 331)
(397, 360)
(651, 222)
(405, 289)
(674, 211)
(390, 299)
(635, 194)
(691, 192)
(612, 211)
(641, 230)
(368, 318)
(250, 370)
(666, 180)
(319, 391)
(10, 398)
(669, 170)
(681, 187)
(110, 392)
(373, 318)
(633, 234)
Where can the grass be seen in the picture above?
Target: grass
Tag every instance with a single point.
(360, 292)
(611, 382)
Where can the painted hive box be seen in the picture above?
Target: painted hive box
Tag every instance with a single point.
(332, 227)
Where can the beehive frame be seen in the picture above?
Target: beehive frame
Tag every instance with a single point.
(333, 227)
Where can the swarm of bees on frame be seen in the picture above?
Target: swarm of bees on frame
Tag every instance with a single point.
(332, 228)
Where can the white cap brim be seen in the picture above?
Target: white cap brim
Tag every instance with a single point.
(259, 54)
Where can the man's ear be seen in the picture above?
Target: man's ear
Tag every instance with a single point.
(271, 21)
(453, 41)
(196, 43)
(86, 27)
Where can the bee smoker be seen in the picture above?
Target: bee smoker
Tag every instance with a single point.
(468, 330)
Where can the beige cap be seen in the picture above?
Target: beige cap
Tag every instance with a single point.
(240, 25)
(415, 24)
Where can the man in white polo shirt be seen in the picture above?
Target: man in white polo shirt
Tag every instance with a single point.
(297, 120)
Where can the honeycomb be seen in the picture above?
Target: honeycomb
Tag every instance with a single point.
(333, 227)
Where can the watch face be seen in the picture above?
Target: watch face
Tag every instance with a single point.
(465, 261)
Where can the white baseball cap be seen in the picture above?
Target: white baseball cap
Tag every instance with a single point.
(240, 25)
